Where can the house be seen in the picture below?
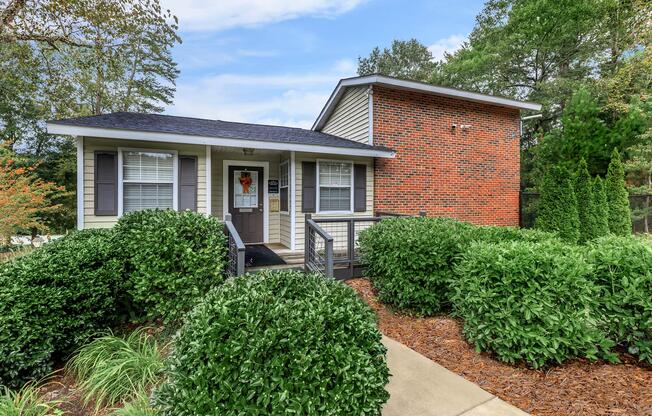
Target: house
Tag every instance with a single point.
(379, 144)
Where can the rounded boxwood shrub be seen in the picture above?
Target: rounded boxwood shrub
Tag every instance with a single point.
(171, 259)
(410, 260)
(622, 270)
(53, 300)
(277, 343)
(528, 302)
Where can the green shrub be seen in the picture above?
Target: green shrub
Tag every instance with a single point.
(410, 260)
(112, 369)
(585, 203)
(171, 259)
(620, 216)
(276, 343)
(53, 300)
(527, 302)
(601, 208)
(557, 211)
(622, 269)
(499, 234)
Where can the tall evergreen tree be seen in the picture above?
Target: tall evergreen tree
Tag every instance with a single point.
(585, 203)
(620, 220)
(557, 211)
(601, 209)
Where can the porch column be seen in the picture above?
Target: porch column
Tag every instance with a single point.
(80, 182)
(293, 202)
(209, 185)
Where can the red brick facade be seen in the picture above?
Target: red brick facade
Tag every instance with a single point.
(470, 174)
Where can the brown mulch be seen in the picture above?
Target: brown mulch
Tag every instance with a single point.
(579, 387)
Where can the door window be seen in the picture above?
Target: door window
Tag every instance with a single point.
(245, 189)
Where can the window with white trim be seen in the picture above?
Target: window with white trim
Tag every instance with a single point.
(284, 185)
(335, 181)
(147, 180)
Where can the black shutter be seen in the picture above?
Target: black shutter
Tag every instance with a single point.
(360, 188)
(308, 186)
(188, 183)
(106, 183)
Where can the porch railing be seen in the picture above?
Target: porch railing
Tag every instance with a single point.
(337, 239)
(318, 255)
(236, 249)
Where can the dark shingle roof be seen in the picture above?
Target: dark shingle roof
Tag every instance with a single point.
(158, 123)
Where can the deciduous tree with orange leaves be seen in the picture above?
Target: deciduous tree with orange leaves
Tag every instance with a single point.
(24, 197)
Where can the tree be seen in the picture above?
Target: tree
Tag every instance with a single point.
(639, 170)
(23, 199)
(601, 208)
(406, 59)
(557, 209)
(585, 203)
(70, 58)
(620, 221)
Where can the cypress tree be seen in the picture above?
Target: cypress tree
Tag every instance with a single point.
(601, 209)
(620, 216)
(557, 211)
(585, 202)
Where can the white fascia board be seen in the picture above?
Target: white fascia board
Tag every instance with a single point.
(417, 87)
(54, 128)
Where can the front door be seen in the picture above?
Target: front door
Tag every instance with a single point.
(246, 202)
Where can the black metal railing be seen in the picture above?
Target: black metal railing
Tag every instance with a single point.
(236, 249)
(318, 255)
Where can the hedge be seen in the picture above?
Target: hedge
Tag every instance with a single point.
(53, 300)
(171, 259)
(410, 260)
(276, 343)
(527, 301)
(622, 270)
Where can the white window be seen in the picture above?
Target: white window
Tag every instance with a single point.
(334, 190)
(284, 185)
(148, 180)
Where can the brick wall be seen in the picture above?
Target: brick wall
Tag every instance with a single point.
(471, 174)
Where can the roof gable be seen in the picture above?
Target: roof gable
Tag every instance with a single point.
(397, 83)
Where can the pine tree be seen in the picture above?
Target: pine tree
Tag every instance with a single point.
(619, 218)
(585, 202)
(557, 210)
(601, 209)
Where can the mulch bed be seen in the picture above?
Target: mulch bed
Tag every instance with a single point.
(579, 387)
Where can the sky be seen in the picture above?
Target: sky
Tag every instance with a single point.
(277, 61)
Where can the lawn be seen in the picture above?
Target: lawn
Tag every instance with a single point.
(578, 387)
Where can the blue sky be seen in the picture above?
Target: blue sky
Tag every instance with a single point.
(277, 61)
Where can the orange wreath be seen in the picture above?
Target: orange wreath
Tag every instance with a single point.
(245, 181)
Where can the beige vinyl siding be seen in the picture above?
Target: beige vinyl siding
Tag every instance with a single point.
(217, 164)
(92, 144)
(350, 119)
(300, 216)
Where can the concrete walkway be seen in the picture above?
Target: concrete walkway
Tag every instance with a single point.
(420, 387)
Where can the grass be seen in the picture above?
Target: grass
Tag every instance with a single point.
(112, 369)
(26, 402)
(139, 406)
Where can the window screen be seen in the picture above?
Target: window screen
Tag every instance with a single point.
(335, 179)
(284, 185)
(147, 180)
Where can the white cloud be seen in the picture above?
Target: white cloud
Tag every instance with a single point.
(449, 44)
(290, 99)
(211, 15)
